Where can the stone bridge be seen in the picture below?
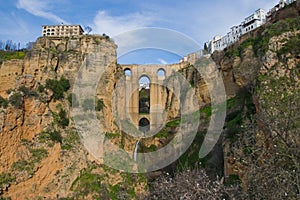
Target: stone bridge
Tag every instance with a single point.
(129, 95)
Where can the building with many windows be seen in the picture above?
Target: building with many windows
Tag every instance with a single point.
(250, 23)
(62, 30)
(254, 21)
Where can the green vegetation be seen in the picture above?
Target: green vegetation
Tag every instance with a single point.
(38, 154)
(27, 92)
(265, 33)
(41, 88)
(55, 136)
(58, 87)
(16, 100)
(71, 138)
(61, 118)
(99, 104)
(9, 55)
(88, 183)
(239, 108)
(190, 158)
(96, 186)
(3, 102)
(6, 179)
(233, 179)
(291, 47)
(73, 100)
(29, 165)
(109, 135)
(23, 165)
(5, 198)
(206, 110)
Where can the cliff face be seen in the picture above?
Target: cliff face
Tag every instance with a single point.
(40, 151)
(260, 148)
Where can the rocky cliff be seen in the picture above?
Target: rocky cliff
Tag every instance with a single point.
(40, 151)
(41, 155)
(263, 118)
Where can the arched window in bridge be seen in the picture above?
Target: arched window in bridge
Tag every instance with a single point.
(127, 72)
(161, 73)
(144, 95)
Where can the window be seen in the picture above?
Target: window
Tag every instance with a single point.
(127, 72)
(161, 73)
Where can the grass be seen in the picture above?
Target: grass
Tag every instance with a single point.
(23, 165)
(190, 158)
(88, 183)
(110, 135)
(6, 178)
(3, 102)
(71, 139)
(38, 154)
(9, 55)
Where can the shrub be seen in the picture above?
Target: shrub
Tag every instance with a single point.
(58, 87)
(73, 100)
(3, 102)
(38, 154)
(63, 119)
(16, 100)
(55, 136)
(41, 88)
(99, 104)
(6, 178)
(27, 92)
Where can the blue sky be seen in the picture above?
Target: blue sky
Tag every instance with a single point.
(21, 20)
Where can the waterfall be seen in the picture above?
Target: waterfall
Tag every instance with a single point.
(136, 150)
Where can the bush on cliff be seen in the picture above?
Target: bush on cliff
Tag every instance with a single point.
(58, 87)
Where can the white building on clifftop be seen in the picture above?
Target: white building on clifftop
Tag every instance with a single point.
(250, 23)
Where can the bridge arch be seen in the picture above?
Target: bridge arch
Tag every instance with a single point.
(144, 124)
(127, 72)
(161, 73)
(144, 94)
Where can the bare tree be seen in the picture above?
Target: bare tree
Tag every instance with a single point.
(192, 184)
(88, 29)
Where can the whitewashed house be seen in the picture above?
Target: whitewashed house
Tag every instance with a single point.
(250, 23)
(254, 21)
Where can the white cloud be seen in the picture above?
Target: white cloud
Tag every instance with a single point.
(162, 61)
(39, 8)
(114, 25)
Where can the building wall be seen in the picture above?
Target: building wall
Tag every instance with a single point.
(250, 23)
(62, 30)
